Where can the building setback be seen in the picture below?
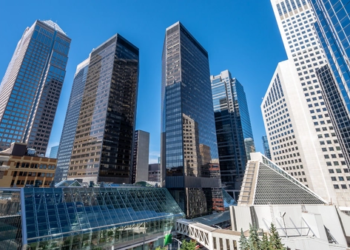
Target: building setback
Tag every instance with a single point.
(233, 129)
(102, 148)
(71, 121)
(189, 148)
(140, 157)
(332, 27)
(301, 133)
(31, 87)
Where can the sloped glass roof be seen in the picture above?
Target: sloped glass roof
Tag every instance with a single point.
(50, 212)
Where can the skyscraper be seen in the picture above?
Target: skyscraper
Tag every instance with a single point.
(189, 147)
(141, 156)
(71, 121)
(54, 151)
(233, 129)
(267, 152)
(332, 26)
(102, 148)
(31, 87)
(301, 134)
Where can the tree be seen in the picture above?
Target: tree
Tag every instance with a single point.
(275, 240)
(243, 241)
(160, 248)
(265, 243)
(188, 245)
(254, 240)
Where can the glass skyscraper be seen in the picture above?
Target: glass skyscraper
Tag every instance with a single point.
(189, 149)
(102, 148)
(233, 129)
(71, 120)
(333, 28)
(266, 146)
(31, 87)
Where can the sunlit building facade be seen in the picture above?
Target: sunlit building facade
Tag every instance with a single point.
(103, 143)
(302, 137)
(333, 29)
(189, 147)
(31, 87)
(70, 123)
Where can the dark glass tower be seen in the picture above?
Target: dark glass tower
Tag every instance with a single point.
(70, 123)
(233, 130)
(31, 87)
(266, 146)
(189, 148)
(333, 28)
(102, 148)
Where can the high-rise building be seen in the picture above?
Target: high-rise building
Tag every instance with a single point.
(54, 151)
(189, 147)
(267, 152)
(71, 121)
(233, 129)
(102, 148)
(300, 132)
(141, 156)
(31, 87)
(332, 26)
(154, 172)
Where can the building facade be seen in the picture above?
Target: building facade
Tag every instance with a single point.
(141, 156)
(154, 172)
(71, 121)
(103, 144)
(189, 147)
(233, 129)
(332, 26)
(54, 151)
(31, 87)
(26, 168)
(266, 147)
(298, 125)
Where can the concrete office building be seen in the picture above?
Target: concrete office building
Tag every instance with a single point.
(31, 87)
(233, 130)
(300, 132)
(189, 148)
(25, 167)
(141, 156)
(70, 123)
(103, 144)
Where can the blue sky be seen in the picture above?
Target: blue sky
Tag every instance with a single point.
(239, 35)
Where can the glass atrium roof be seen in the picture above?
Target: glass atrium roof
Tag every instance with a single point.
(57, 212)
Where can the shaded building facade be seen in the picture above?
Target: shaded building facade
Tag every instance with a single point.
(71, 121)
(187, 123)
(102, 148)
(332, 26)
(233, 129)
(31, 87)
(140, 156)
(266, 147)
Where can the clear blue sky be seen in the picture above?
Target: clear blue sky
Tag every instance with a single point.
(239, 35)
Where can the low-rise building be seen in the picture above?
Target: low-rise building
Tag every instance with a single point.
(21, 166)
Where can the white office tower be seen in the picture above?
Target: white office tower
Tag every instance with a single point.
(299, 129)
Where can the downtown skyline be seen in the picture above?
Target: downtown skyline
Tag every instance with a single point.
(241, 64)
